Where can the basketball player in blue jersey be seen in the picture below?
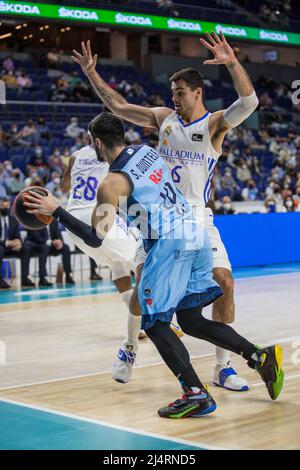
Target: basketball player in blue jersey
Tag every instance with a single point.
(190, 141)
(177, 273)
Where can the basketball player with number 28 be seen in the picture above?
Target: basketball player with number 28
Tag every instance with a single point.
(190, 141)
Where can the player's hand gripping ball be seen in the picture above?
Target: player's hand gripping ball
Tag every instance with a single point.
(30, 221)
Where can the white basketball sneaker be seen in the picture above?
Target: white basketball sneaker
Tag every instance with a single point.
(122, 369)
(225, 376)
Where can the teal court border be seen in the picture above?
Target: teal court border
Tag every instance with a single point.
(106, 287)
(26, 427)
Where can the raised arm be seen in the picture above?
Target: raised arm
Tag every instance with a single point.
(66, 179)
(224, 120)
(116, 103)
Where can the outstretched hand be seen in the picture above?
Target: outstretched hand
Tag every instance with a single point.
(38, 204)
(86, 60)
(223, 52)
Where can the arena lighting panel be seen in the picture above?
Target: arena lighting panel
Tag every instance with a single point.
(148, 22)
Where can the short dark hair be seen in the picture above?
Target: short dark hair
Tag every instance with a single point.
(192, 77)
(108, 128)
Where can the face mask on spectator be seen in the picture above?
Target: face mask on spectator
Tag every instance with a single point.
(56, 180)
(38, 152)
(227, 206)
(33, 175)
(57, 153)
(5, 211)
(272, 206)
(8, 167)
(286, 186)
(289, 203)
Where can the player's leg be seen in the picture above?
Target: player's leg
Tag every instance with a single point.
(223, 311)
(164, 283)
(267, 361)
(196, 400)
(122, 369)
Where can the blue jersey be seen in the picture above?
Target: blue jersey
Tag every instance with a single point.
(155, 205)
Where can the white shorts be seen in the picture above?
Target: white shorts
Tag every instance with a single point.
(220, 256)
(117, 250)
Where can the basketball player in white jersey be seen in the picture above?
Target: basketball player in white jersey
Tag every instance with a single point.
(190, 140)
(81, 179)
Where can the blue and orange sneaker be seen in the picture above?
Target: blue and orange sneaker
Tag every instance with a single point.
(191, 404)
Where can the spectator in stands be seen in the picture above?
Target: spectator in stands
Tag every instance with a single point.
(296, 198)
(226, 207)
(39, 161)
(7, 169)
(36, 243)
(58, 247)
(270, 205)
(16, 183)
(168, 7)
(156, 100)
(3, 138)
(53, 58)
(28, 133)
(10, 241)
(228, 182)
(132, 136)
(250, 193)
(42, 128)
(124, 88)
(24, 81)
(265, 100)
(73, 130)
(9, 79)
(32, 177)
(79, 143)
(54, 185)
(137, 91)
(65, 157)
(8, 64)
(55, 161)
(289, 204)
(3, 189)
(61, 90)
(243, 173)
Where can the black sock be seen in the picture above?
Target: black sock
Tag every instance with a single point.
(174, 353)
(194, 324)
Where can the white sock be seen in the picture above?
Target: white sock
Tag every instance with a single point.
(126, 296)
(222, 356)
(133, 329)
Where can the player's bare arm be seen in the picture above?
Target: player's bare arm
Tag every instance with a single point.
(224, 120)
(113, 187)
(66, 179)
(116, 103)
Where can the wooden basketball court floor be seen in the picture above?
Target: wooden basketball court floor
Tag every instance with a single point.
(57, 348)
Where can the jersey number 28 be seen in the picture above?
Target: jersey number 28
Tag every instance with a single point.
(89, 187)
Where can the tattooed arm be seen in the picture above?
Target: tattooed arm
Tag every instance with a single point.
(116, 103)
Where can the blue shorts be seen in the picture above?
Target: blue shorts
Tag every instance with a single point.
(177, 275)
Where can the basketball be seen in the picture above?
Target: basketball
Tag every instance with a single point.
(30, 221)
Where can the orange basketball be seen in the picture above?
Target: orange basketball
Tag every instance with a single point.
(30, 221)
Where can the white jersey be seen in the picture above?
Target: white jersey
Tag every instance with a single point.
(86, 175)
(190, 155)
